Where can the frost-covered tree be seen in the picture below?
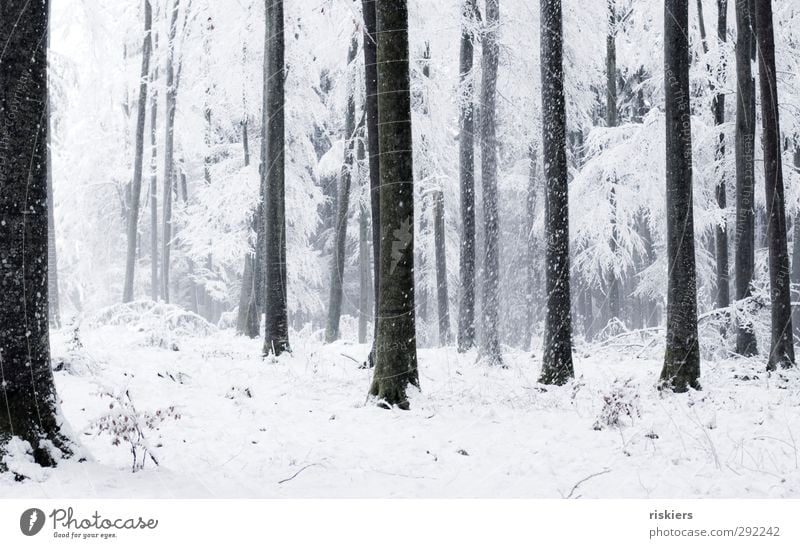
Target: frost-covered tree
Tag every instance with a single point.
(30, 420)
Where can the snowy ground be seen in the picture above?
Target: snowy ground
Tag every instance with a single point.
(246, 426)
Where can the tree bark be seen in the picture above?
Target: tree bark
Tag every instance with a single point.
(466, 173)
(154, 286)
(557, 365)
(30, 404)
(343, 205)
(682, 358)
(723, 272)
(532, 253)
(491, 280)
(395, 348)
(371, 105)
(276, 327)
(445, 335)
(782, 348)
(136, 185)
(796, 247)
(745, 176)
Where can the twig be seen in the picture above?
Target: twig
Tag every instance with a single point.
(587, 478)
(298, 472)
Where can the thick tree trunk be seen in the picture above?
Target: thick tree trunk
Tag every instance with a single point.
(745, 175)
(490, 349)
(138, 161)
(276, 327)
(466, 172)
(557, 365)
(371, 106)
(30, 405)
(343, 205)
(682, 358)
(782, 348)
(169, 168)
(396, 345)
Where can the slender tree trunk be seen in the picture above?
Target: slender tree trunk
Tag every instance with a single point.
(796, 248)
(745, 175)
(532, 255)
(396, 346)
(248, 319)
(682, 359)
(782, 348)
(30, 404)
(276, 334)
(371, 105)
(343, 205)
(136, 186)
(445, 335)
(154, 286)
(491, 280)
(169, 168)
(466, 171)
(365, 277)
(614, 301)
(557, 365)
(723, 273)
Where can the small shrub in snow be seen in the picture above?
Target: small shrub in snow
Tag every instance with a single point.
(125, 424)
(620, 403)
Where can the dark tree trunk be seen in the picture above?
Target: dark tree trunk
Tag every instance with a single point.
(248, 319)
(557, 359)
(343, 205)
(466, 171)
(445, 335)
(796, 248)
(782, 348)
(138, 161)
(682, 358)
(276, 326)
(30, 404)
(723, 274)
(396, 346)
(491, 279)
(371, 106)
(745, 175)
(614, 302)
(169, 168)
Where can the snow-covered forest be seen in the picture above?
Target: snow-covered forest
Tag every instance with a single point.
(451, 248)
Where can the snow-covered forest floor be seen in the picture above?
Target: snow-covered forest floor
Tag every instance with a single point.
(300, 426)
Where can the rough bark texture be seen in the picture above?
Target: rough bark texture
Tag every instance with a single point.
(745, 176)
(557, 365)
(682, 358)
(490, 348)
(371, 105)
(466, 173)
(343, 205)
(395, 348)
(27, 392)
(781, 353)
(276, 326)
(169, 167)
(138, 161)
